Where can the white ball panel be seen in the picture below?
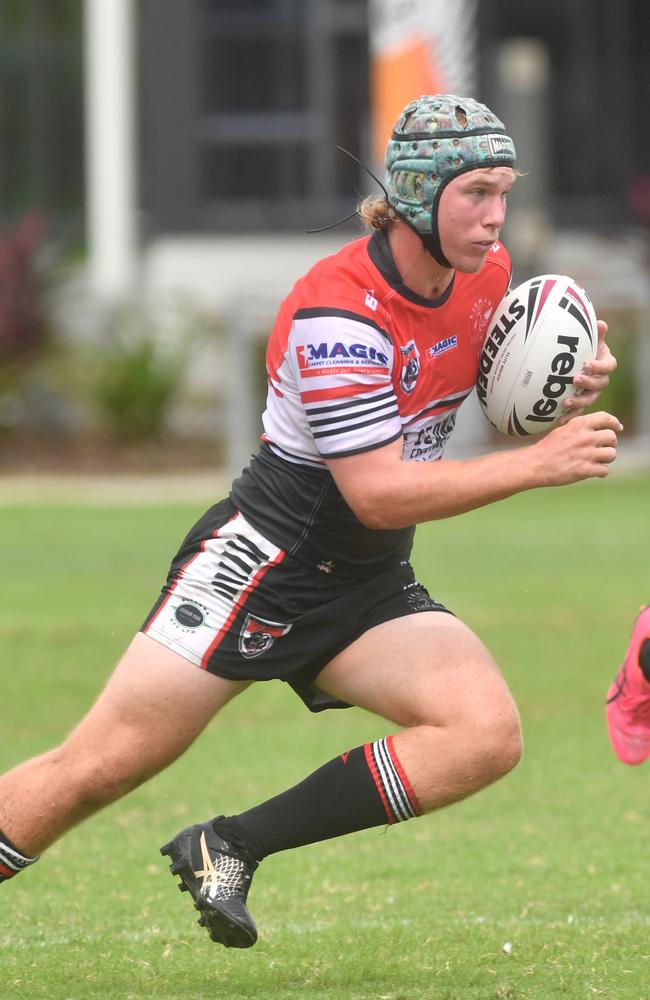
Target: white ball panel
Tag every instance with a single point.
(543, 332)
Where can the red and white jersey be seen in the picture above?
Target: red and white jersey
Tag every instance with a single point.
(357, 360)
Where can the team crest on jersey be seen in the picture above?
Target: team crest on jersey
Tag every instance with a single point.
(258, 635)
(410, 366)
(479, 317)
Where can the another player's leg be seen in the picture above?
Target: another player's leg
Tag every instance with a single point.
(151, 710)
(628, 699)
(429, 674)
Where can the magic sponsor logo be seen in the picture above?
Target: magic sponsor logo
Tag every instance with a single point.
(337, 355)
(448, 344)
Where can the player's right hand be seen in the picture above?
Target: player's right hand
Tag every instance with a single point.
(583, 448)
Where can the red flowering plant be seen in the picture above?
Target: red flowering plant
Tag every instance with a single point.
(23, 321)
(23, 327)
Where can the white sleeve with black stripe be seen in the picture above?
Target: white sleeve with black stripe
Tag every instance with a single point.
(342, 364)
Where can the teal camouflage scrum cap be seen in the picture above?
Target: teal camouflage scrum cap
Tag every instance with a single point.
(436, 138)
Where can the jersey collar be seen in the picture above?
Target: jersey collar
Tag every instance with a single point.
(380, 254)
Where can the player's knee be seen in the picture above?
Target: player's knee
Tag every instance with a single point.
(498, 743)
(511, 745)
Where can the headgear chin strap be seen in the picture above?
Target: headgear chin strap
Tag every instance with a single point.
(436, 138)
(432, 245)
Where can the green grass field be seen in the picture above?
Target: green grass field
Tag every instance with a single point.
(552, 860)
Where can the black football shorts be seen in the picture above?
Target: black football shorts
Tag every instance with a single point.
(238, 606)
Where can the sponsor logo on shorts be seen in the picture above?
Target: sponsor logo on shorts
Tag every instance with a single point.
(189, 616)
(258, 635)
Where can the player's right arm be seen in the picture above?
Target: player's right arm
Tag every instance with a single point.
(384, 491)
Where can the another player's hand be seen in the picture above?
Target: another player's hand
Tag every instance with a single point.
(583, 448)
(591, 381)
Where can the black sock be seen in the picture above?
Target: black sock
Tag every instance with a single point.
(363, 788)
(644, 658)
(11, 860)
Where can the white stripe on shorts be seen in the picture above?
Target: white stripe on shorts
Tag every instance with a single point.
(212, 588)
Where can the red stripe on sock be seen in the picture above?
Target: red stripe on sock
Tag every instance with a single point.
(412, 797)
(372, 767)
(7, 872)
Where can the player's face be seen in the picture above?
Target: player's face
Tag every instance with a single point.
(471, 213)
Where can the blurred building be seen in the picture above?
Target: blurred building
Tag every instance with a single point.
(186, 146)
(239, 105)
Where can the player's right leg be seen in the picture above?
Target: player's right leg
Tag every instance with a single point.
(153, 707)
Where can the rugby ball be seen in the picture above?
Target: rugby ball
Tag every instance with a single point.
(542, 333)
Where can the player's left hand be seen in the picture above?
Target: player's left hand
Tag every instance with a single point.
(591, 381)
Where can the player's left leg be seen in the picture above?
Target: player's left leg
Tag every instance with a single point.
(427, 673)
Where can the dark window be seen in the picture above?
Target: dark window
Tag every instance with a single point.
(599, 92)
(241, 132)
(41, 111)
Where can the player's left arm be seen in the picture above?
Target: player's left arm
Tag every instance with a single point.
(591, 381)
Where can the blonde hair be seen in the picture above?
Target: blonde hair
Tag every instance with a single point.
(375, 212)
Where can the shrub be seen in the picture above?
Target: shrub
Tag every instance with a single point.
(138, 378)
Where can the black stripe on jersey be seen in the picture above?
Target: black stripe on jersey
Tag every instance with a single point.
(352, 427)
(393, 412)
(440, 404)
(290, 457)
(357, 401)
(364, 448)
(321, 311)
